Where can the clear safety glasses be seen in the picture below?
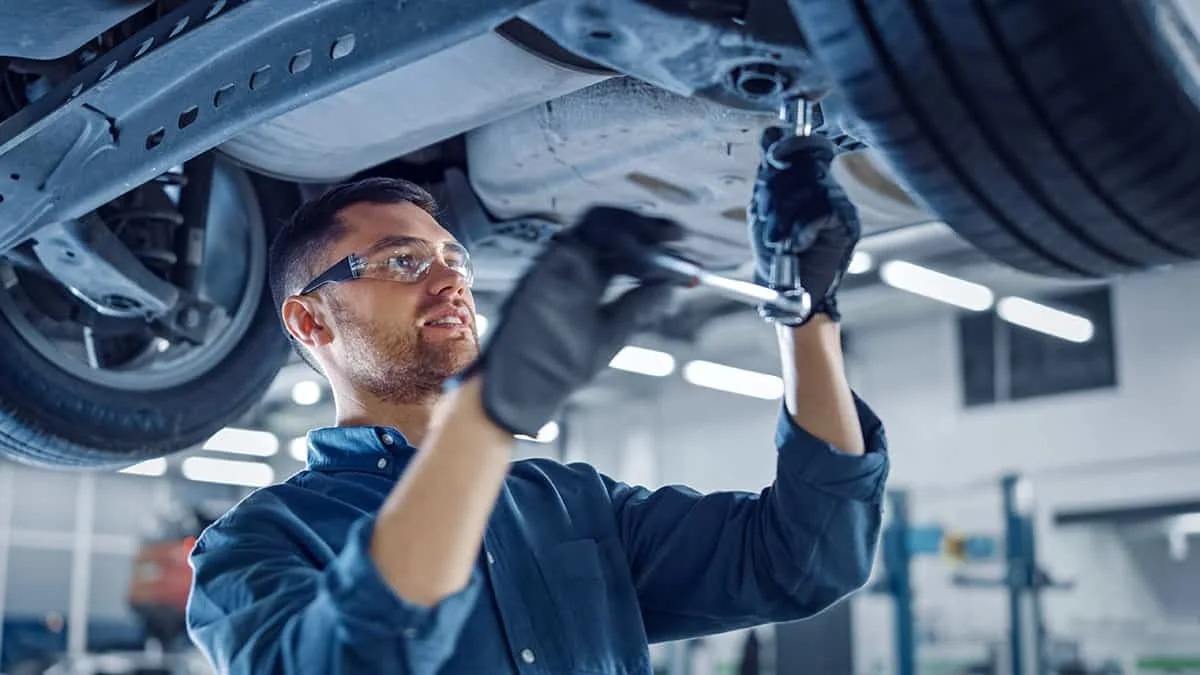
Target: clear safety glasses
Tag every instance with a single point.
(405, 260)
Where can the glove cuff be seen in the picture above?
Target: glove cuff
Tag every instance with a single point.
(827, 306)
(506, 417)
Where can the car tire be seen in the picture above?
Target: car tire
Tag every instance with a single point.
(54, 418)
(1061, 138)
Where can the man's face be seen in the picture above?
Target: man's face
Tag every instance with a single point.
(398, 341)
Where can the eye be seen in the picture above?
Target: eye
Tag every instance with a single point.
(404, 262)
(455, 257)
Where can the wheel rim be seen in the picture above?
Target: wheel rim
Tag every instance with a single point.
(235, 235)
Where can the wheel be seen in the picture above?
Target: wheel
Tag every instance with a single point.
(78, 389)
(1061, 138)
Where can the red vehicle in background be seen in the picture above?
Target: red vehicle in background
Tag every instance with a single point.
(158, 590)
(162, 578)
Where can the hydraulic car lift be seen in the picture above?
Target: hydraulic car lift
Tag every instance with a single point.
(1023, 580)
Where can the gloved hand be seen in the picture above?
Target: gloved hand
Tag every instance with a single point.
(797, 200)
(555, 334)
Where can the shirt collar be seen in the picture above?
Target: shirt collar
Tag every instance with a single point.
(359, 448)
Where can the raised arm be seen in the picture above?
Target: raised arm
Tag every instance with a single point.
(707, 563)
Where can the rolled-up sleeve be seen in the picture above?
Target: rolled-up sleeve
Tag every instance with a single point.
(259, 604)
(707, 563)
(817, 463)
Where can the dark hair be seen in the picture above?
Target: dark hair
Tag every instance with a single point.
(296, 251)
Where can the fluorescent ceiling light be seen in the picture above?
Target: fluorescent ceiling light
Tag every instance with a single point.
(298, 448)
(227, 471)
(306, 392)
(481, 324)
(150, 467)
(1186, 523)
(1039, 317)
(547, 434)
(243, 442)
(733, 380)
(860, 263)
(644, 361)
(943, 287)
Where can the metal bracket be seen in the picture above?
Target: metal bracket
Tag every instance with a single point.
(748, 54)
(197, 77)
(97, 267)
(100, 270)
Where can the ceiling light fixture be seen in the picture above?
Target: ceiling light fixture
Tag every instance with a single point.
(937, 286)
(227, 472)
(547, 434)
(644, 361)
(733, 380)
(1044, 319)
(306, 392)
(150, 467)
(298, 448)
(860, 263)
(243, 442)
(1187, 523)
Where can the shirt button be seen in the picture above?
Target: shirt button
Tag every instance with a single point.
(527, 655)
(491, 560)
(382, 463)
(387, 439)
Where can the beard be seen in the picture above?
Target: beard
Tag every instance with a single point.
(398, 365)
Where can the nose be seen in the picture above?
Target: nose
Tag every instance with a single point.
(445, 281)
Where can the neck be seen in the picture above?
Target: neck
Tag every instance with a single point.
(411, 419)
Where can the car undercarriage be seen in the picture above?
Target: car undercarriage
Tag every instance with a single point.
(148, 149)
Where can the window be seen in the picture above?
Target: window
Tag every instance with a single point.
(1000, 361)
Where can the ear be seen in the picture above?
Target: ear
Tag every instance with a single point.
(303, 321)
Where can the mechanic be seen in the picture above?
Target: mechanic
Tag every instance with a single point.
(412, 543)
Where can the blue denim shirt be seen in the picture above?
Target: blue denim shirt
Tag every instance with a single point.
(577, 572)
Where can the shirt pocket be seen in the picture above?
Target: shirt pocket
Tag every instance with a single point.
(596, 605)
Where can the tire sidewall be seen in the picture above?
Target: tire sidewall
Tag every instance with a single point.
(50, 417)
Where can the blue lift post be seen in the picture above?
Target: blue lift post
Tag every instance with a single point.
(1016, 571)
(902, 541)
(1023, 580)
(897, 556)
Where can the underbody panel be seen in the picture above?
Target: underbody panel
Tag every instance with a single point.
(445, 94)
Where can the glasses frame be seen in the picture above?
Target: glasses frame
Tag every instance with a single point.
(354, 265)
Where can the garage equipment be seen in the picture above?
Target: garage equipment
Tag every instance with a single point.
(902, 541)
(1024, 580)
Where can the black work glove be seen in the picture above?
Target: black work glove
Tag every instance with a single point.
(796, 200)
(555, 334)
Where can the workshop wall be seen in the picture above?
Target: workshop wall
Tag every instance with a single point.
(1126, 445)
(1123, 446)
(68, 540)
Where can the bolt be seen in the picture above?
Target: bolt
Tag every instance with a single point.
(189, 317)
(758, 80)
(120, 302)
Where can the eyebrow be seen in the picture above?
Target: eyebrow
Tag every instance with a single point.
(392, 242)
(395, 241)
